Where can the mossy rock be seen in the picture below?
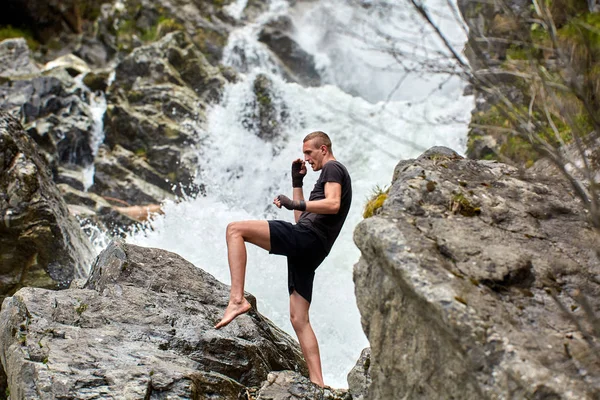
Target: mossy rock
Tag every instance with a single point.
(376, 201)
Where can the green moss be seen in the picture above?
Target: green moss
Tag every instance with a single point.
(22, 338)
(166, 25)
(460, 204)
(583, 29)
(516, 52)
(81, 308)
(8, 32)
(375, 202)
(518, 150)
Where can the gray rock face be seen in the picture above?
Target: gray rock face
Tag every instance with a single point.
(141, 327)
(296, 64)
(474, 282)
(359, 378)
(288, 385)
(39, 101)
(267, 114)
(15, 58)
(41, 244)
(154, 108)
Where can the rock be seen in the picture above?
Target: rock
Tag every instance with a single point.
(56, 113)
(254, 9)
(122, 175)
(297, 65)
(267, 114)
(15, 58)
(155, 111)
(97, 81)
(458, 279)
(71, 63)
(359, 378)
(286, 385)
(142, 327)
(41, 244)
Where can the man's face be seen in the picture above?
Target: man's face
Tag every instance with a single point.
(313, 154)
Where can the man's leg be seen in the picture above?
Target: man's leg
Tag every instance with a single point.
(255, 232)
(308, 341)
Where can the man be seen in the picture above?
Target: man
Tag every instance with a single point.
(306, 244)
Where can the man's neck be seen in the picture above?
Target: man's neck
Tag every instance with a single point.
(327, 159)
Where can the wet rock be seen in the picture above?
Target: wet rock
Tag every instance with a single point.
(267, 114)
(286, 385)
(142, 326)
(97, 81)
(477, 300)
(359, 378)
(123, 176)
(41, 244)
(15, 58)
(253, 9)
(297, 65)
(157, 100)
(71, 63)
(55, 112)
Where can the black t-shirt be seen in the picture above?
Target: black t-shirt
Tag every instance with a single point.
(328, 226)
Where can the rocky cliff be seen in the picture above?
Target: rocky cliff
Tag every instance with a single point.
(477, 282)
(41, 244)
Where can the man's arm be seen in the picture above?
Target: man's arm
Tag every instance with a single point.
(298, 195)
(330, 204)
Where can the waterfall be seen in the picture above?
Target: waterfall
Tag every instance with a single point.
(97, 108)
(371, 131)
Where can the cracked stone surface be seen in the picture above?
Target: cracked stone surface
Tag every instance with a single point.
(290, 385)
(458, 278)
(140, 327)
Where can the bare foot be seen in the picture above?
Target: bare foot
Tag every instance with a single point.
(232, 311)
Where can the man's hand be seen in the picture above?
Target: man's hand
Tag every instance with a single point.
(298, 172)
(288, 203)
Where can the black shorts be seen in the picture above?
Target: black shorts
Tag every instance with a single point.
(304, 251)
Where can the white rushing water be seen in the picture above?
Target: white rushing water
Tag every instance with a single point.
(242, 173)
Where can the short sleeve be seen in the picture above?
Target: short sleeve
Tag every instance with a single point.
(332, 172)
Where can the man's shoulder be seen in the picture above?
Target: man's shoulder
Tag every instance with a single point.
(335, 165)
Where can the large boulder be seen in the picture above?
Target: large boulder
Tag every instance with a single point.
(42, 245)
(140, 327)
(477, 282)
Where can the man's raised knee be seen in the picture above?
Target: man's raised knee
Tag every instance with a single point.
(233, 229)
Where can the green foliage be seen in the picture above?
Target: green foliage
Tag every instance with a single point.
(8, 32)
(519, 150)
(583, 30)
(517, 52)
(376, 201)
